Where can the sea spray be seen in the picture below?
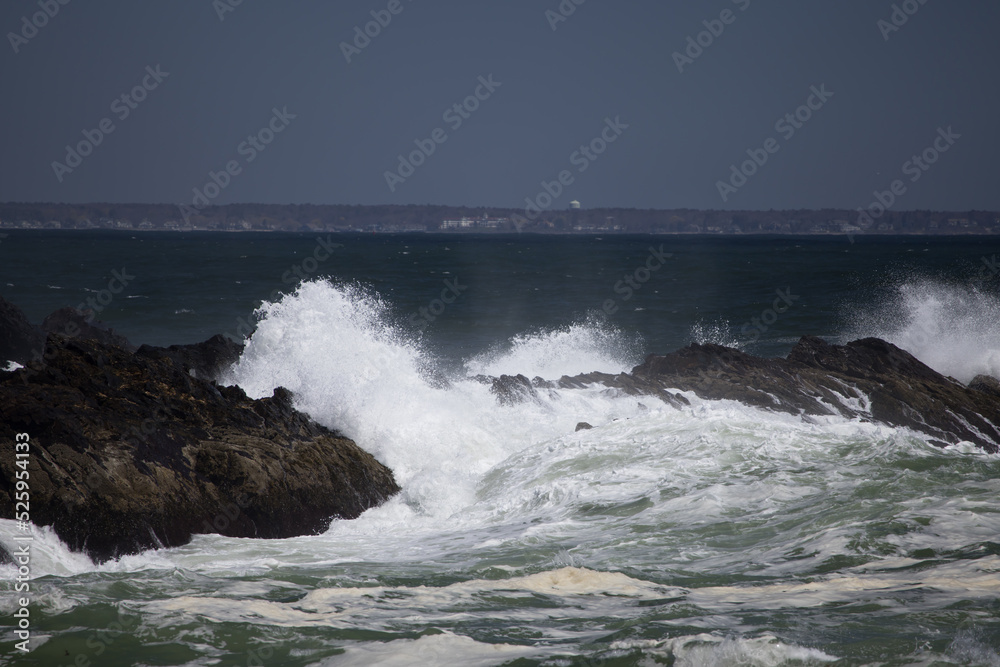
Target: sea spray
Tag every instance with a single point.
(583, 347)
(339, 349)
(953, 328)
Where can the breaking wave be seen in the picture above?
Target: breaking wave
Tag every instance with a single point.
(954, 329)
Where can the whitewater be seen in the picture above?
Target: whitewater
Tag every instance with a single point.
(714, 534)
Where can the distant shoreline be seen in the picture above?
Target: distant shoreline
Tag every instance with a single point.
(432, 219)
(511, 233)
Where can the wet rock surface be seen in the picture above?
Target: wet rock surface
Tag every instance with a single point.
(206, 360)
(867, 379)
(131, 451)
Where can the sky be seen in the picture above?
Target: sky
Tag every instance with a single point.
(721, 104)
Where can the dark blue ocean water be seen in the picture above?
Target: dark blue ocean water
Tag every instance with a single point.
(183, 288)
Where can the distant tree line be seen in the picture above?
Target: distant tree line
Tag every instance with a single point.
(396, 218)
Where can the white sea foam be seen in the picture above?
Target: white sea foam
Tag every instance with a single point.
(966, 579)
(446, 650)
(337, 350)
(48, 554)
(591, 594)
(579, 348)
(706, 650)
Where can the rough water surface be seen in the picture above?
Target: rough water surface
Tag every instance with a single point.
(714, 533)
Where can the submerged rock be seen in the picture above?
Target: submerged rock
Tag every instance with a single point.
(131, 451)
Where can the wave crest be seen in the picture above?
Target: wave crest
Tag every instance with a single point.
(954, 329)
(583, 347)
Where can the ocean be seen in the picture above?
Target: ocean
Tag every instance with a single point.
(716, 534)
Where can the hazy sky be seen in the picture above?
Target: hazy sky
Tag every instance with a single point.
(217, 81)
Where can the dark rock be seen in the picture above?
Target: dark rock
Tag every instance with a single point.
(19, 340)
(986, 384)
(130, 452)
(82, 325)
(583, 426)
(513, 389)
(717, 372)
(868, 379)
(205, 360)
(626, 384)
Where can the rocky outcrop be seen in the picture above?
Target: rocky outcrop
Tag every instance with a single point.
(626, 383)
(80, 324)
(205, 360)
(986, 384)
(513, 389)
(133, 451)
(868, 379)
(19, 340)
